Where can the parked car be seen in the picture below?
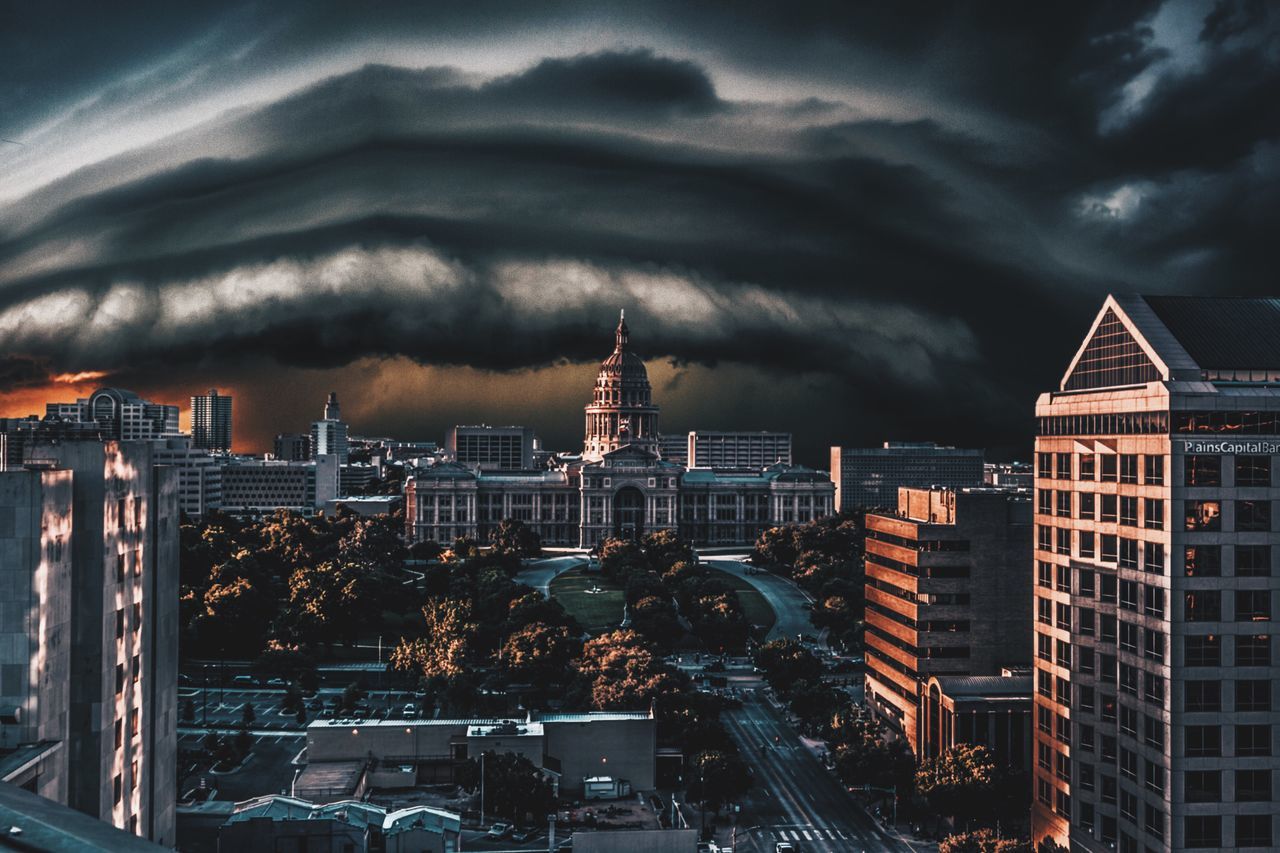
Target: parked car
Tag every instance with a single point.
(784, 847)
(315, 705)
(409, 711)
(243, 680)
(522, 835)
(498, 831)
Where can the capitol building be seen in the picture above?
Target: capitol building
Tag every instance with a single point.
(621, 486)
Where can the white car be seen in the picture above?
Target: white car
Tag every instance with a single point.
(409, 711)
(499, 830)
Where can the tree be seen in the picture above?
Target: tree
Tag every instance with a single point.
(287, 661)
(248, 715)
(513, 787)
(718, 778)
(623, 673)
(813, 701)
(959, 782)
(445, 647)
(336, 598)
(514, 537)
(786, 662)
(301, 716)
(243, 742)
(862, 755)
(537, 653)
(235, 617)
(982, 841)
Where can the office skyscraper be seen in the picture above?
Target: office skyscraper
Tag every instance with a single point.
(1155, 583)
(329, 435)
(211, 421)
(869, 477)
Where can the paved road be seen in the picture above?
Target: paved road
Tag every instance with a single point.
(539, 573)
(789, 602)
(795, 798)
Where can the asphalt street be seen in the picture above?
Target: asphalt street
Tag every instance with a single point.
(795, 798)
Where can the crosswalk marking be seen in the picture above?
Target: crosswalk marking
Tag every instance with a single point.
(807, 836)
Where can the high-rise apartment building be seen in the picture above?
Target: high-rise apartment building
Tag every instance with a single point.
(945, 593)
(329, 434)
(869, 477)
(1155, 595)
(35, 629)
(122, 634)
(211, 421)
(737, 450)
(491, 448)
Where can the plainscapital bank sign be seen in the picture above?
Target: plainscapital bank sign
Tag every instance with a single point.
(1196, 445)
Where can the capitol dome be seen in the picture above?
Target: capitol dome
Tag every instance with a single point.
(621, 411)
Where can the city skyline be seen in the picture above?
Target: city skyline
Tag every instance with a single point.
(841, 211)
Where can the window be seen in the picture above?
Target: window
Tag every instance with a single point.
(1203, 741)
(1109, 748)
(1110, 471)
(1253, 470)
(1108, 632)
(1129, 595)
(1107, 675)
(137, 617)
(1203, 561)
(1253, 741)
(1128, 679)
(1203, 786)
(1044, 757)
(1086, 618)
(1044, 538)
(1110, 508)
(1064, 504)
(119, 678)
(1203, 515)
(1153, 821)
(1202, 469)
(1044, 608)
(1128, 553)
(1253, 650)
(119, 568)
(137, 669)
(1153, 557)
(1153, 732)
(1152, 644)
(1064, 579)
(1202, 650)
(1064, 541)
(1087, 466)
(1064, 804)
(133, 775)
(1253, 830)
(1064, 686)
(1044, 721)
(1253, 561)
(1203, 605)
(1153, 688)
(1153, 601)
(1108, 589)
(1044, 647)
(1044, 466)
(1203, 696)
(1128, 806)
(1045, 506)
(119, 733)
(1087, 700)
(1084, 773)
(1128, 721)
(1253, 515)
(1202, 831)
(1253, 605)
(1064, 767)
(1253, 694)
(1064, 466)
(1128, 468)
(1108, 822)
(1045, 575)
(1064, 616)
(1253, 786)
(1086, 545)
(1109, 549)
(117, 788)
(1086, 578)
(1086, 738)
(120, 624)
(1043, 791)
(1153, 513)
(1109, 790)
(1154, 470)
(1088, 505)
(1129, 637)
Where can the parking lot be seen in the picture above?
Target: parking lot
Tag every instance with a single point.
(225, 708)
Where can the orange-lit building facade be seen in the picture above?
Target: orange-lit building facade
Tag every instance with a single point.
(947, 594)
(1154, 582)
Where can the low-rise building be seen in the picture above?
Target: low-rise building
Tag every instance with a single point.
(491, 448)
(274, 823)
(984, 710)
(725, 450)
(265, 485)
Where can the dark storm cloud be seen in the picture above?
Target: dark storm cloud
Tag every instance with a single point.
(903, 200)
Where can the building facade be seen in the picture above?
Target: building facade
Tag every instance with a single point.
(620, 487)
(1155, 583)
(35, 629)
(869, 477)
(491, 448)
(944, 595)
(123, 676)
(211, 421)
(199, 474)
(737, 450)
(983, 710)
(329, 434)
(292, 447)
(265, 485)
(119, 414)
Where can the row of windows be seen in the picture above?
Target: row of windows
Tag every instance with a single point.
(1121, 550)
(1206, 650)
(1114, 509)
(1160, 423)
(1103, 467)
(1253, 694)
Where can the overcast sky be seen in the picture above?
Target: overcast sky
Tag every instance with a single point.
(855, 222)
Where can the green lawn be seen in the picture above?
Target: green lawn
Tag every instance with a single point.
(598, 613)
(753, 603)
